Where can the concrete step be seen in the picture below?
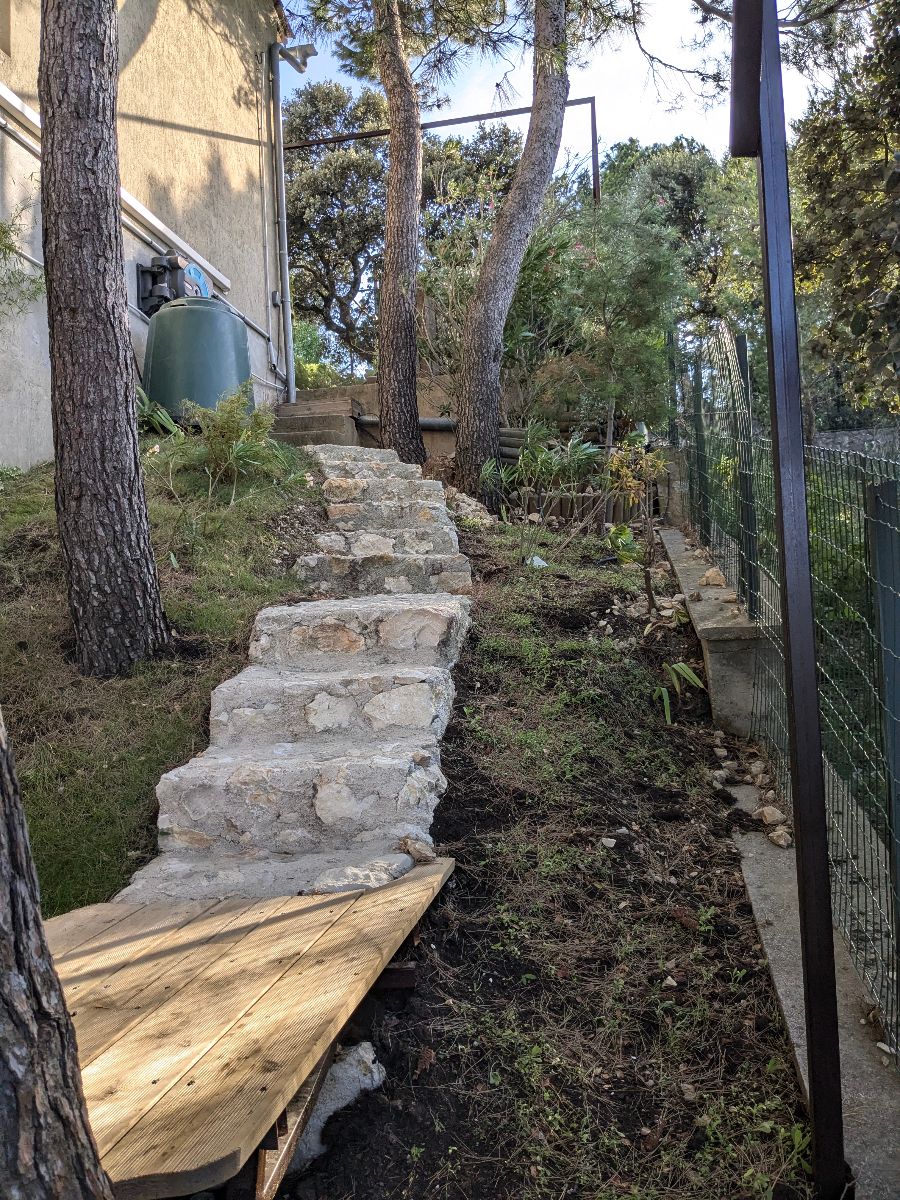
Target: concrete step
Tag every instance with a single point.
(365, 543)
(330, 574)
(387, 489)
(308, 439)
(362, 633)
(389, 514)
(286, 797)
(266, 704)
(291, 422)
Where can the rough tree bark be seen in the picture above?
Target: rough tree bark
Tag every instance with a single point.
(397, 349)
(478, 427)
(101, 508)
(46, 1148)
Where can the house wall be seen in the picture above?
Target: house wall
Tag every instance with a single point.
(194, 137)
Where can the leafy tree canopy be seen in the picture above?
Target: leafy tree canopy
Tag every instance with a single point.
(337, 195)
(846, 167)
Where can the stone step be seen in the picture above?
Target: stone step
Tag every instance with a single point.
(364, 543)
(374, 575)
(328, 455)
(287, 798)
(222, 872)
(389, 514)
(297, 421)
(365, 632)
(265, 704)
(372, 472)
(384, 489)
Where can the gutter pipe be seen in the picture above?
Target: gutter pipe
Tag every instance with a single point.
(287, 326)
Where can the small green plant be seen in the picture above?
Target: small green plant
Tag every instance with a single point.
(153, 418)
(549, 479)
(680, 676)
(233, 442)
(19, 284)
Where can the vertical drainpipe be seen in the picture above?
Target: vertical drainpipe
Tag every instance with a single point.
(281, 223)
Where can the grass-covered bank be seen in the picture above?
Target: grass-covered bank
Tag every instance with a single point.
(594, 1017)
(89, 752)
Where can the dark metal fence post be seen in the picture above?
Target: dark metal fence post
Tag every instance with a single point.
(702, 472)
(755, 20)
(743, 434)
(883, 520)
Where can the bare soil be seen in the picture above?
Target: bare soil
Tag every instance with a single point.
(594, 1016)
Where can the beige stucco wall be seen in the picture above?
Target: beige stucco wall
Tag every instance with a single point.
(194, 137)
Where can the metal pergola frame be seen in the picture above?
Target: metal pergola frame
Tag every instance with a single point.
(758, 131)
(364, 134)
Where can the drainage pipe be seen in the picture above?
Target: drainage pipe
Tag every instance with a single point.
(428, 424)
(281, 222)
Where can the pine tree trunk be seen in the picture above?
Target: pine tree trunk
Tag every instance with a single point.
(397, 349)
(101, 508)
(46, 1148)
(478, 428)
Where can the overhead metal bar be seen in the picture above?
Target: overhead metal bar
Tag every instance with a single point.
(364, 134)
(763, 135)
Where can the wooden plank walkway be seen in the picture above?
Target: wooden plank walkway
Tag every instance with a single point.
(198, 1023)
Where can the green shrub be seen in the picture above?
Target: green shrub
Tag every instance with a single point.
(232, 441)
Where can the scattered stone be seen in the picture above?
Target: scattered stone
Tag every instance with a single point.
(781, 837)
(720, 752)
(758, 767)
(608, 842)
(353, 1072)
(730, 597)
(418, 851)
(712, 578)
(769, 815)
(695, 596)
(669, 982)
(468, 508)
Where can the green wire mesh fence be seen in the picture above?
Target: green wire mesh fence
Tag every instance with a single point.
(853, 502)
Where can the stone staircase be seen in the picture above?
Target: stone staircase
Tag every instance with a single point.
(324, 751)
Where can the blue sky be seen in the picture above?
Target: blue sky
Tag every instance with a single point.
(628, 102)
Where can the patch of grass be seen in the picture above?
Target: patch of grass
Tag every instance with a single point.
(90, 752)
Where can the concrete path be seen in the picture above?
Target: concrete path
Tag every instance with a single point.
(324, 752)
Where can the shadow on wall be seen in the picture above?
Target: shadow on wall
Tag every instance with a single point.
(240, 24)
(136, 19)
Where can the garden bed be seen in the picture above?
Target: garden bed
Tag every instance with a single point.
(594, 1016)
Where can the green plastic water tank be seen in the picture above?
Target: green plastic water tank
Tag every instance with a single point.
(196, 350)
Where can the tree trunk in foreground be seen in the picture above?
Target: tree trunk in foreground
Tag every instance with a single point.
(46, 1148)
(478, 428)
(100, 504)
(397, 348)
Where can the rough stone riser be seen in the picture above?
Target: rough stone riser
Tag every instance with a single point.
(383, 489)
(287, 803)
(260, 706)
(344, 575)
(362, 634)
(384, 515)
(366, 543)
